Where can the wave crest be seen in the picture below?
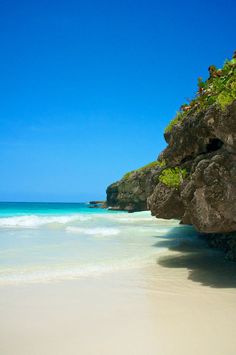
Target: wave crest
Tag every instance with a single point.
(34, 221)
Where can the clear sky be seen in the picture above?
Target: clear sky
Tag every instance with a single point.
(87, 87)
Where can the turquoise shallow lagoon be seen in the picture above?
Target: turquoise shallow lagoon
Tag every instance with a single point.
(44, 242)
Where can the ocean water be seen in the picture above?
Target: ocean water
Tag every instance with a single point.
(45, 242)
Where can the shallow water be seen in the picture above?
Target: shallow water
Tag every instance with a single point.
(49, 242)
(144, 294)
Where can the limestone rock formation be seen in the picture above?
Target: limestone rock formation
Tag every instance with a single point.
(131, 192)
(194, 178)
(206, 145)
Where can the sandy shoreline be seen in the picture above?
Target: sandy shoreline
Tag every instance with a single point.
(185, 304)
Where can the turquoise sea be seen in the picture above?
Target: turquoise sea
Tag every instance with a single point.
(45, 242)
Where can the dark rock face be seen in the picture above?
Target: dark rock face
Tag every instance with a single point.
(166, 202)
(207, 199)
(211, 205)
(131, 193)
(205, 145)
(202, 133)
(97, 204)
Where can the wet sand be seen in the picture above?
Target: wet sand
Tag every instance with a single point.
(185, 304)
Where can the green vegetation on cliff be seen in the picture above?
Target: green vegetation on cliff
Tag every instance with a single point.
(145, 168)
(173, 177)
(219, 89)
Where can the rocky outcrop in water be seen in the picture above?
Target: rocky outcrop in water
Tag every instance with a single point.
(194, 178)
(131, 192)
(204, 144)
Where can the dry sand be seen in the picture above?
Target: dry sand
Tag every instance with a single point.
(183, 305)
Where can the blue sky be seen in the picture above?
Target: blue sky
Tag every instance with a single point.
(87, 87)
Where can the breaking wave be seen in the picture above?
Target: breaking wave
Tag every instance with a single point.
(34, 221)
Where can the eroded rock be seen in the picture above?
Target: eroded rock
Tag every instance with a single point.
(204, 143)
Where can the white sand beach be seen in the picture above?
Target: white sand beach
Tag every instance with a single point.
(185, 304)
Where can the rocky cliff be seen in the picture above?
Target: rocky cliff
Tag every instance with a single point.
(132, 191)
(194, 179)
(203, 145)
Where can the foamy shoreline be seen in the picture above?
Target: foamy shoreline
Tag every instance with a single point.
(44, 248)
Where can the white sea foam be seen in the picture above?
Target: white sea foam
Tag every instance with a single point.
(34, 221)
(104, 231)
(47, 275)
(67, 246)
(138, 219)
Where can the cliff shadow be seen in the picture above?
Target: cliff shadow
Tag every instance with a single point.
(205, 265)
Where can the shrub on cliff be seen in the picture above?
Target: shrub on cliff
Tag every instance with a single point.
(173, 177)
(219, 89)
